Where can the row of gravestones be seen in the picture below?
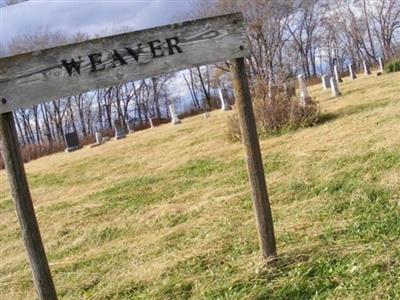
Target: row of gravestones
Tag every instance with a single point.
(328, 81)
(332, 82)
(72, 139)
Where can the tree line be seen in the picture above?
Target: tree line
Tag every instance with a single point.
(287, 37)
(290, 37)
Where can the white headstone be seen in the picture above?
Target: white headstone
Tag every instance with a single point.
(326, 84)
(303, 90)
(335, 88)
(174, 116)
(337, 73)
(367, 71)
(99, 138)
(381, 65)
(224, 104)
(352, 73)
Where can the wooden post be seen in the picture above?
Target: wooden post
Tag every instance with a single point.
(23, 203)
(253, 158)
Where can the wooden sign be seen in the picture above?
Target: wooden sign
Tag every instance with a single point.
(35, 77)
(49, 74)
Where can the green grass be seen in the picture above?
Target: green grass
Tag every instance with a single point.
(167, 214)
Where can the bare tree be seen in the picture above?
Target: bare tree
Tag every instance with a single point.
(386, 15)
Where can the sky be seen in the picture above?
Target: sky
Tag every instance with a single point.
(92, 17)
(88, 16)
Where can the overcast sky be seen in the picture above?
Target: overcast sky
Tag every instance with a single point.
(88, 16)
(92, 17)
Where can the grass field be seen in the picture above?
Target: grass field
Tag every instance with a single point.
(167, 214)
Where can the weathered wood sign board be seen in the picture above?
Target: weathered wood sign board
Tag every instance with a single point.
(49, 74)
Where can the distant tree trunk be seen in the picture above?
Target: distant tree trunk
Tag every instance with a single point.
(206, 94)
(21, 134)
(46, 121)
(58, 120)
(365, 11)
(156, 97)
(137, 100)
(79, 100)
(37, 125)
(27, 126)
(107, 105)
(99, 111)
(192, 93)
(72, 118)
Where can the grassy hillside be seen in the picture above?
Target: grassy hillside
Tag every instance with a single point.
(167, 213)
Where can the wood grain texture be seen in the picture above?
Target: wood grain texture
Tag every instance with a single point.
(11, 154)
(253, 157)
(40, 76)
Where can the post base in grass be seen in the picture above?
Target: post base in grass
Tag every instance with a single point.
(271, 260)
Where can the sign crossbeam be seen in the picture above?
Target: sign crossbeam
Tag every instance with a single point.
(30, 78)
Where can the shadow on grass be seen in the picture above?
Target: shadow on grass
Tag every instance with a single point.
(351, 110)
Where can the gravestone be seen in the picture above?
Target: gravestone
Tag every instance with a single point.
(154, 122)
(304, 96)
(352, 72)
(99, 138)
(174, 117)
(367, 70)
(337, 74)
(381, 65)
(72, 141)
(335, 88)
(224, 104)
(120, 131)
(326, 84)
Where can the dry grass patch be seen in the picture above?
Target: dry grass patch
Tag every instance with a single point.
(166, 213)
